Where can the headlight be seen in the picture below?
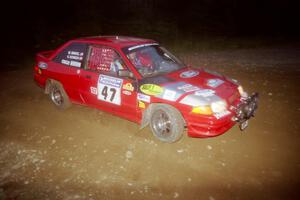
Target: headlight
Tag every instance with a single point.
(219, 106)
(203, 110)
(242, 92)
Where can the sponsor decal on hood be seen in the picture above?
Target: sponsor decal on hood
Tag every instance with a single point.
(174, 91)
(189, 74)
(198, 100)
(205, 92)
(151, 89)
(214, 82)
(188, 88)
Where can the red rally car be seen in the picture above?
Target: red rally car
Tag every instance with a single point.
(141, 81)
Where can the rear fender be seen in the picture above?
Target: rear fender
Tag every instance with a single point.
(48, 85)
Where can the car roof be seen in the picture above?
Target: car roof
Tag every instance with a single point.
(116, 41)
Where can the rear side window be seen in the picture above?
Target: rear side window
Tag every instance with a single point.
(73, 55)
(104, 60)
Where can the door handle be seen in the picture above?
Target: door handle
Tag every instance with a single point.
(88, 76)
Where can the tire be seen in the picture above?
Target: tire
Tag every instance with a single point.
(166, 123)
(58, 96)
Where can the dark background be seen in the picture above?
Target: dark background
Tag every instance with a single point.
(30, 26)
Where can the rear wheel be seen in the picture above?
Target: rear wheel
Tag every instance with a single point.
(166, 123)
(58, 96)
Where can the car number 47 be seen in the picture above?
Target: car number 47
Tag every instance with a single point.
(109, 94)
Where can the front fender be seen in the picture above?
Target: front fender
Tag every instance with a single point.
(146, 115)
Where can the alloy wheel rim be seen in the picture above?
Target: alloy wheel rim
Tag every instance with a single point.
(56, 96)
(162, 124)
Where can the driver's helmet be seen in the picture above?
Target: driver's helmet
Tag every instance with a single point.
(140, 60)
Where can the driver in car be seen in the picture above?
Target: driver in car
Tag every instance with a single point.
(141, 61)
(135, 60)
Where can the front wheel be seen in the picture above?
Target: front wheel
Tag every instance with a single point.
(166, 123)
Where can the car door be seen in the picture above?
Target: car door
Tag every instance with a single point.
(66, 67)
(101, 87)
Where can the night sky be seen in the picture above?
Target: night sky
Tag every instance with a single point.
(30, 26)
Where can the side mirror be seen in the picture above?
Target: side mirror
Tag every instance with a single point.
(125, 73)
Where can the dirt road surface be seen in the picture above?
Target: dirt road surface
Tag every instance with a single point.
(84, 153)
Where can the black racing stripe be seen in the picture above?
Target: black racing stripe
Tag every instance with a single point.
(156, 80)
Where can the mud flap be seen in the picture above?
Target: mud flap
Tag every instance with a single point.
(146, 117)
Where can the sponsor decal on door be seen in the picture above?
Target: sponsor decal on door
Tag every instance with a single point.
(109, 89)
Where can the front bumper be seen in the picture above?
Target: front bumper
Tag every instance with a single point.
(210, 126)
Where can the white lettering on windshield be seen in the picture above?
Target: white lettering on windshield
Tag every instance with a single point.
(141, 45)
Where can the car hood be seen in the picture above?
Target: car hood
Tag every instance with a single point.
(191, 87)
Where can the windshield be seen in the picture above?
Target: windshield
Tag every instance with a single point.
(152, 60)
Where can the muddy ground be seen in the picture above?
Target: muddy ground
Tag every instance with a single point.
(84, 153)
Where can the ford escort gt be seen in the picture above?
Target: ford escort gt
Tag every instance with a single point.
(139, 80)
